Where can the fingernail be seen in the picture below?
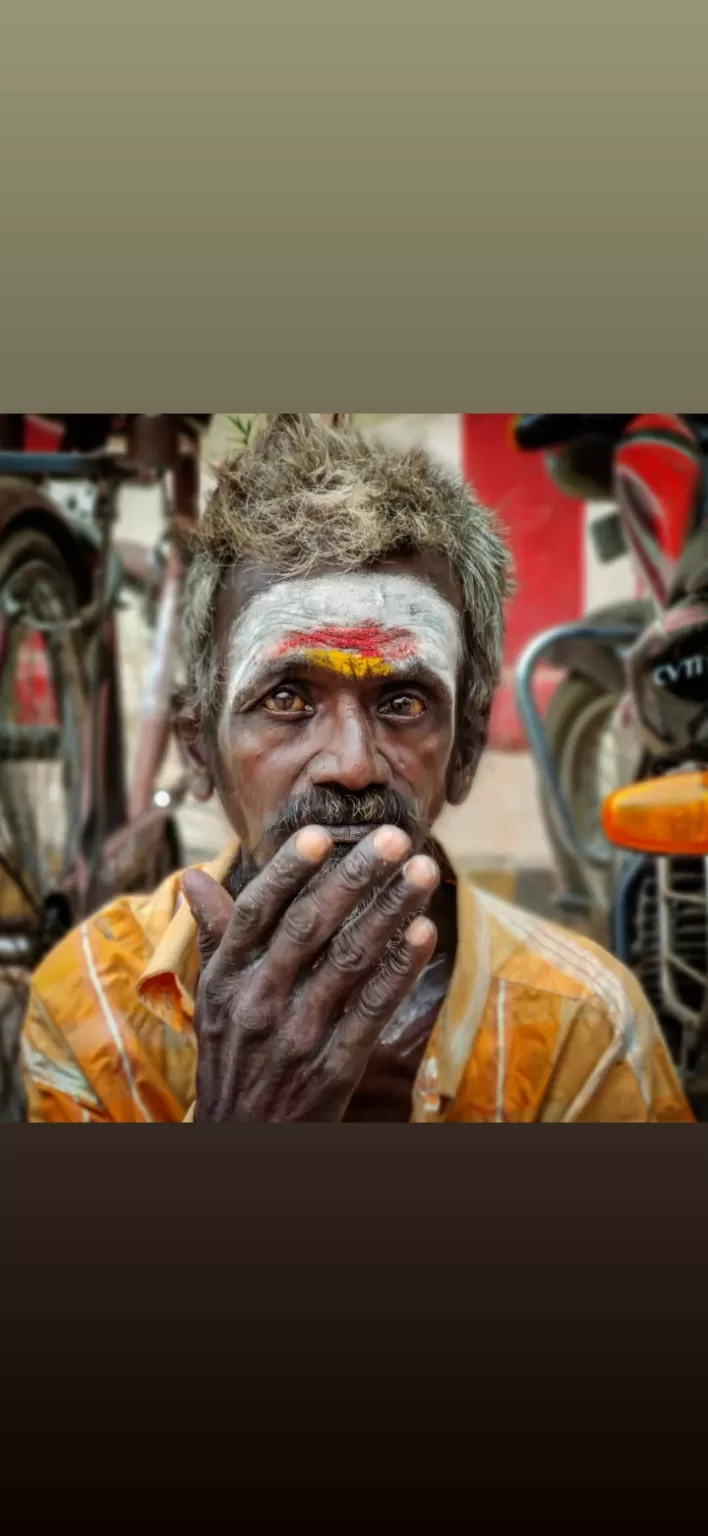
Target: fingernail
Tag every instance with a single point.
(313, 843)
(421, 870)
(421, 931)
(390, 842)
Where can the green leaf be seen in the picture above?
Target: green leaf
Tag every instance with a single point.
(243, 426)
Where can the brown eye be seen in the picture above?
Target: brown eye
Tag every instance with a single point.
(285, 701)
(406, 706)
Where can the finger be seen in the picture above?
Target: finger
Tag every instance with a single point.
(358, 1031)
(310, 922)
(211, 907)
(261, 903)
(387, 988)
(359, 947)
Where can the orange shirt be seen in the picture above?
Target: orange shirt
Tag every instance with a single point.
(538, 1024)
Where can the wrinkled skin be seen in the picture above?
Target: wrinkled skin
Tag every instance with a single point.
(316, 996)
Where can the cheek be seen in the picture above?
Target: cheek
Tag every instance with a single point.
(256, 767)
(421, 759)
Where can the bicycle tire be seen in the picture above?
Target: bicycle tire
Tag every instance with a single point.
(34, 574)
(14, 994)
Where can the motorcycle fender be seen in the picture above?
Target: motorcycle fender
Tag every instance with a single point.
(590, 658)
(25, 505)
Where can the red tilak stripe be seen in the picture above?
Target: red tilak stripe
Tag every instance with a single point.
(366, 639)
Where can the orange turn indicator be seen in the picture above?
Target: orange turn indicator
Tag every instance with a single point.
(662, 816)
(510, 433)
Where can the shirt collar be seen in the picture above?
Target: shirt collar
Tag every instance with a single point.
(168, 983)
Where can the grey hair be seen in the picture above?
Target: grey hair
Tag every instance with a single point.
(304, 494)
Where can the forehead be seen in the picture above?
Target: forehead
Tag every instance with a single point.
(251, 578)
(386, 621)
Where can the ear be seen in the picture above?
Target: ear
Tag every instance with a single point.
(191, 740)
(460, 780)
(463, 768)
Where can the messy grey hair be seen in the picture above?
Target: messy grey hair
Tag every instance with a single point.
(304, 494)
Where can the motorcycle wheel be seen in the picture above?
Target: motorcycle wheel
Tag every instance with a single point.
(577, 729)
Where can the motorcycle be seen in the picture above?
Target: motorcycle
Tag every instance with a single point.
(622, 753)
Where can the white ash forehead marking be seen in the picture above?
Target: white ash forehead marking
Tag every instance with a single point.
(393, 601)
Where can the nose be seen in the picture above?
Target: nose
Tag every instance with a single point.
(350, 760)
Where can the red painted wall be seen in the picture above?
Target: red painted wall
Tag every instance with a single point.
(546, 532)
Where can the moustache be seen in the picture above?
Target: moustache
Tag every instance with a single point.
(335, 808)
(331, 808)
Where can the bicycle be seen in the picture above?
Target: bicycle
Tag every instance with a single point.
(73, 832)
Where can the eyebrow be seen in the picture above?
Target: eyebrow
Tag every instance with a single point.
(281, 668)
(357, 607)
(265, 673)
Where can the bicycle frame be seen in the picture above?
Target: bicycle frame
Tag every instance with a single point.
(122, 829)
(156, 707)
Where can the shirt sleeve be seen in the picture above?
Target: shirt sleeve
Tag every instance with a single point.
(93, 1051)
(57, 1090)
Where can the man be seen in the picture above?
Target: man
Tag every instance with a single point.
(343, 633)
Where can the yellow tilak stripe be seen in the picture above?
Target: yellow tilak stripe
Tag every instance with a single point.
(348, 663)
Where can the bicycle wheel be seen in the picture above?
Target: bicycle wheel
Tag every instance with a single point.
(14, 993)
(42, 706)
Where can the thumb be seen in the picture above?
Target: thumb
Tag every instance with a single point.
(211, 907)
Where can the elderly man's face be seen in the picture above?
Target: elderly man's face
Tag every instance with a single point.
(339, 699)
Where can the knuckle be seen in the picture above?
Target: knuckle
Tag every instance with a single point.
(374, 1001)
(297, 1050)
(397, 965)
(391, 899)
(346, 951)
(247, 912)
(302, 922)
(255, 1021)
(254, 903)
(287, 867)
(213, 1005)
(384, 989)
(279, 878)
(355, 870)
(211, 984)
